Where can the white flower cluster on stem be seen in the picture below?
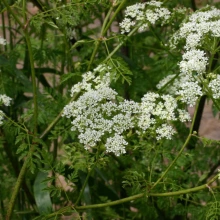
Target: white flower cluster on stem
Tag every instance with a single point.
(5, 100)
(193, 61)
(214, 85)
(157, 111)
(144, 13)
(200, 26)
(99, 117)
(182, 85)
(97, 114)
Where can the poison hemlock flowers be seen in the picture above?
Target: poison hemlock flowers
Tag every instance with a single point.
(193, 61)
(214, 85)
(144, 13)
(5, 100)
(200, 28)
(100, 118)
(3, 41)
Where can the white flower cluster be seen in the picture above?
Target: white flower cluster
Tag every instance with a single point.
(156, 112)
(184, 86)
(165, 131)
(5, 100)
(189, 92)
(86, 85)
(193, 61)
(3, 41)
(200, 24)
(214, 85)
(144, 13)
(98, 116)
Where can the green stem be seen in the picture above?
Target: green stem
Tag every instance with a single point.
(97, 43)
(104, 30)
(119, 46)
(84, 186)
(113, 17)
(13, 14)
(33, 77)
(18, 184)
(181, 150)
(3, 28)
(87, 177)
(167, 194)
(30, 56)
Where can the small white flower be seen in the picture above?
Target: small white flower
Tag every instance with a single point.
(165, 131)
(3, 41)
(126, 25)
(193, 40)
(200, 24)
(149, 12)
(116, 145)
(5, 100)
(190, 92)
(184, 116)
(214, 85)
(193, 60)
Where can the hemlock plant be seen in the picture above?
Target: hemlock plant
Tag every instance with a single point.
(95, 123)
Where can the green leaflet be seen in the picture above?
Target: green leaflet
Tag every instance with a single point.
(42, 197)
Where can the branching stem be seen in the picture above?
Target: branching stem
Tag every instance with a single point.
(104, 29)
(167, 194)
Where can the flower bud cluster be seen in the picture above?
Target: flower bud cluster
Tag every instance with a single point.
(99, 115)
(144, 13)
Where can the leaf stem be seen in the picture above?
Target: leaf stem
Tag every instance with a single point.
(33, 78)
(120, 44)
(84, 186)
(18, 184)
(113, 16)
